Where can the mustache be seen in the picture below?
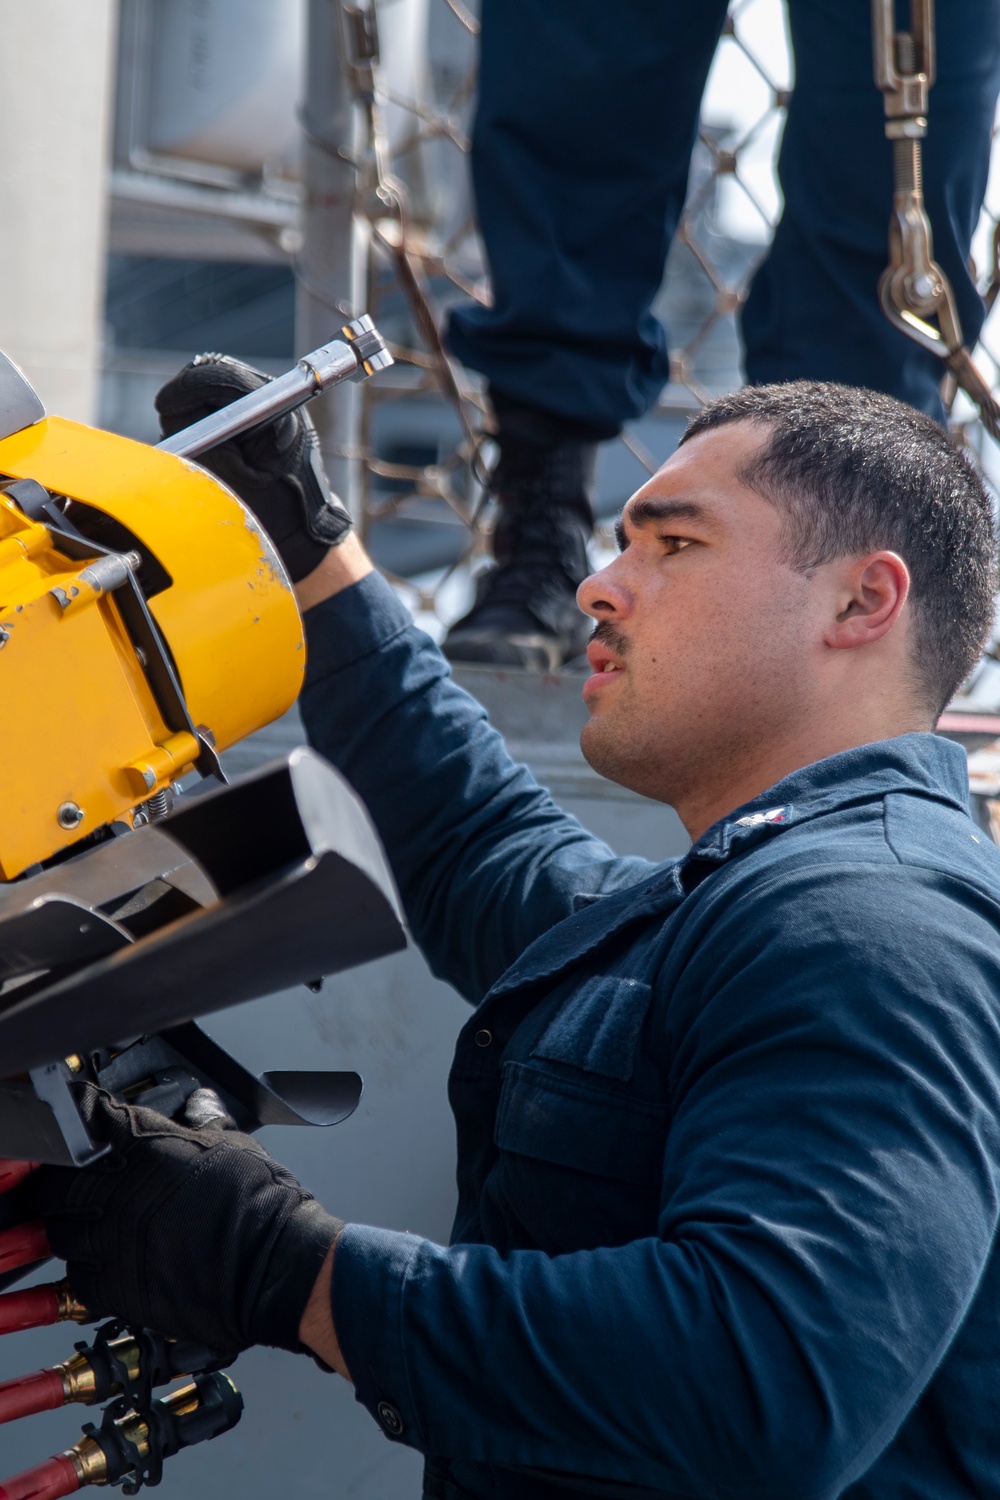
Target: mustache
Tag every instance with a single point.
(609, 635)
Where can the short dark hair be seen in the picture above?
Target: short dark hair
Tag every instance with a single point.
(855, 471)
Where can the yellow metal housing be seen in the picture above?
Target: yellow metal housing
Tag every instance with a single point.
(84, 741)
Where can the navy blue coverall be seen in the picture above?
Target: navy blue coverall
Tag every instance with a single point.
(586, 120)
(728, 1127)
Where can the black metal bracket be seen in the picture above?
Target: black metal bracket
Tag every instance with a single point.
(51, 1083)
(162, 1072)
(166, 1431)
(159, 1361)
(297, 886)
(181, 1059)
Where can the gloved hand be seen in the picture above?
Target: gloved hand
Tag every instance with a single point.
(275, 469)
(197, 1234)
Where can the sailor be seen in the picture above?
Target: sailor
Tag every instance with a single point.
(729, 1125)
(586, 118)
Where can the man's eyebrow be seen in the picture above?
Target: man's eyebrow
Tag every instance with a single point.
(651, 510)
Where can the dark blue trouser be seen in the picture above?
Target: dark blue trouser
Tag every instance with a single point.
(586, 120)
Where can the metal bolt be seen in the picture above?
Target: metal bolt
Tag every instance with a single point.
(69, 815)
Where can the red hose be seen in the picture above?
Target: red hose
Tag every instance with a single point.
(35, 1308)
(28, 1394)
(13, 1173)
(23, 1244)
(56, 1476)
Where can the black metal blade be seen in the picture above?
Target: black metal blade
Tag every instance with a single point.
(319, 916)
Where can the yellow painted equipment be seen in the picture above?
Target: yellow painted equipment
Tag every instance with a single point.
(146, 624)
(98, 745)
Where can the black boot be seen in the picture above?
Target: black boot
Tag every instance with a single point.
(525, 614)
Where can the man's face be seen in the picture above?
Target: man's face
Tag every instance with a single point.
(707, 642)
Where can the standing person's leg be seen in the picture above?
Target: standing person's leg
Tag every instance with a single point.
(587, 116)
(813, 310)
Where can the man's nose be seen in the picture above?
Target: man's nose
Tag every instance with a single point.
(601, 595)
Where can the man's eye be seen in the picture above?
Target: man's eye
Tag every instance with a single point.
(675, 543)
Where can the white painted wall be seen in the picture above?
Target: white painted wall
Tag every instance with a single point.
(54, 116)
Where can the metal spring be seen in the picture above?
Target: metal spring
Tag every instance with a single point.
(157, 807)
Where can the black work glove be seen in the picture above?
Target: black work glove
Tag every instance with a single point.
(199, 1235)
(275, 469)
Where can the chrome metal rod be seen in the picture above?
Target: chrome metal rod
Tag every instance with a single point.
(332, 268)
(362, 352)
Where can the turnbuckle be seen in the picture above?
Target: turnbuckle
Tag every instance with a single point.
(913, 287)
(904, 64)
(915, 294)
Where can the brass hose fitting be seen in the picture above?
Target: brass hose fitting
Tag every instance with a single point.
(79, 1376)
(88, 1456)
(70, 1310)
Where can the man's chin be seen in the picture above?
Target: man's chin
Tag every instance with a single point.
(605, 752)
(617, 757)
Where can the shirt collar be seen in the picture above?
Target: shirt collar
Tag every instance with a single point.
(924, 765)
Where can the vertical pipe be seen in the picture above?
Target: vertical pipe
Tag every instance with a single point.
(333, 261)
(53, 196)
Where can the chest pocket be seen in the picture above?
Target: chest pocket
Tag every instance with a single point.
(580, 1153)
(597, 1027)
(557, 1120)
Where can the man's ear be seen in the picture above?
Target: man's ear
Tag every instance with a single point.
(870, 594)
